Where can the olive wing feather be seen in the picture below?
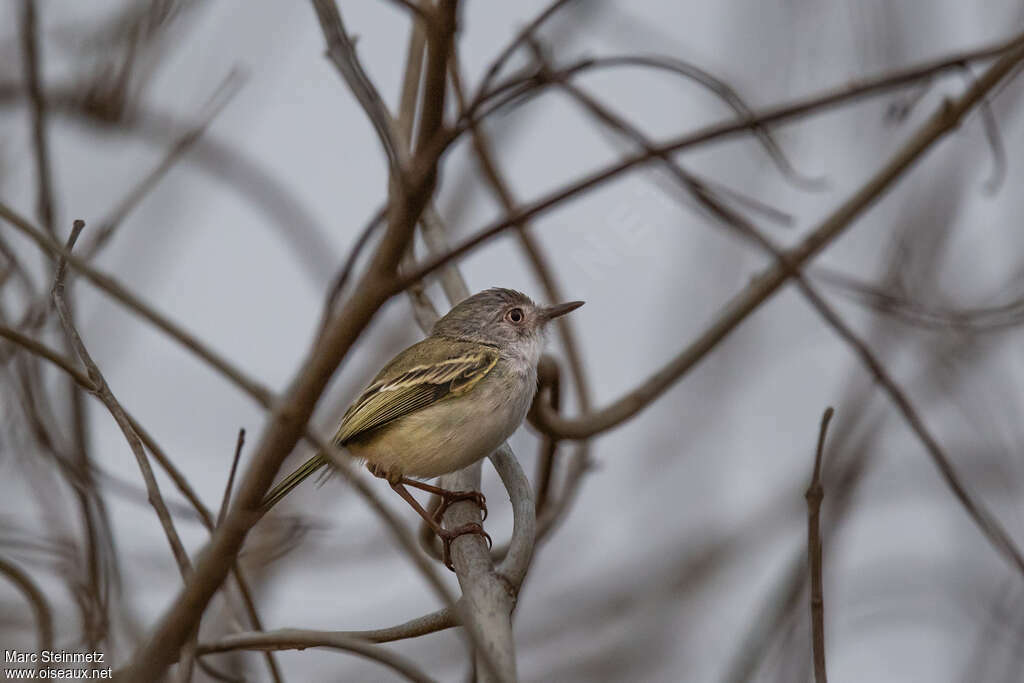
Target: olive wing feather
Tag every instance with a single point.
(451, 370)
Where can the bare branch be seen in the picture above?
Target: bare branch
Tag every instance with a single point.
(102, 391)
(287, 639)
(37, 102)
(43, 351)
(1009, 50)
(766, 284)
(36, 600)
(342, 52)
(119, 292)
(231, 477)
(986, 522)
(298, 639)
(814, 495)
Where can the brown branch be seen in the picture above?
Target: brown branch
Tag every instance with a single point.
(287, 421)
(103, 392)
(287, 639)
(36, 599)
(37, 104)
(345, 272)
(520, 39)
(231, 477)
(43, 351)
(716, 86)
(122, 295)
(547, 369)
(985, 521)
(298, 639)
(766, 284)
(227, 89)
(814, 495)
(778, 114)
(342, 53)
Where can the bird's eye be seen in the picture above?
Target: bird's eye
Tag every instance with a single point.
(515, 315)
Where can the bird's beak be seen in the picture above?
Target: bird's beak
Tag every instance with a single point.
(551, 312)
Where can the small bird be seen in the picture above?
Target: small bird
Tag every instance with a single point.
(445, 402)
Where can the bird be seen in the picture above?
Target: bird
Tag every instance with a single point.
(445, 402)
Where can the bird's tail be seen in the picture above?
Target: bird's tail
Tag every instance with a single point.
(291, 481)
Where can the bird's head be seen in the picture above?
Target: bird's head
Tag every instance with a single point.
(504, 318)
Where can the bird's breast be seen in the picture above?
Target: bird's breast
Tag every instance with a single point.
(454, 432)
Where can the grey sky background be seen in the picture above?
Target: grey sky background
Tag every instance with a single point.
(909, 582)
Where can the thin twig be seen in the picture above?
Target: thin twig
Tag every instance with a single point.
(1010, 51)
(768, 282)
(520, 38)
(123, 295)
(545, 273)
(342, 53)
(102, 391)
(231, 477)
(814, 495)
(985, 521)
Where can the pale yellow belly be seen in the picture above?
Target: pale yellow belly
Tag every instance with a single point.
(448, 435)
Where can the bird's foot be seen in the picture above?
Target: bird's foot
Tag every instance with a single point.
(449, 498)
(449, 535)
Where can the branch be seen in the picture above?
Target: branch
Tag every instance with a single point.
(36, 599)
(298, 639)
(102, 391)
(342, 53)
(37, 103)
(43, 351)
(985, 521)
(524, 521)
(499, 63)
(545, 273)
(781, 113)
(763, 286)
(814, 495)
(122, 295)
(290, 638)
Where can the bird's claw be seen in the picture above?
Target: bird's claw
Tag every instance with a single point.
(450, 535)
(449, 498)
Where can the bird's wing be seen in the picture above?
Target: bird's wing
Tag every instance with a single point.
(438, 373)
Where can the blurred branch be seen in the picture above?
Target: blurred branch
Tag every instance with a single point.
(43, 351)
(892, 302)
(36, 600)
(767, 283)
(37, 104)
(985, 521)
(1009, 49)
(520, 39)
(228, 88)
(814, 495)
(719, 88)
(119, 292)
(345, 272)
